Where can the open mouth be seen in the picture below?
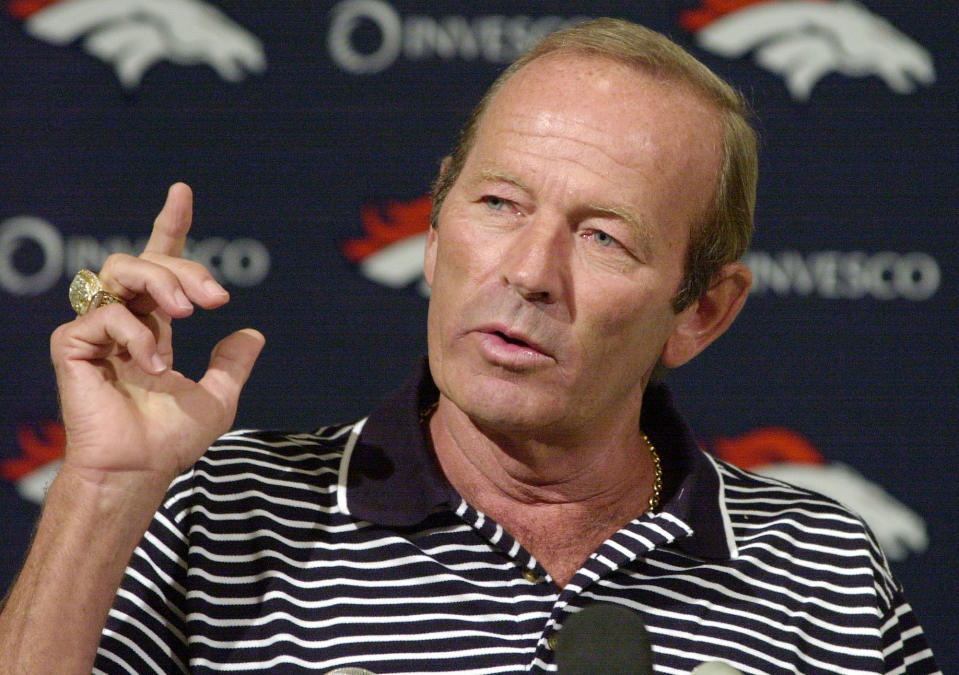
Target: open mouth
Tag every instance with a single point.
(511, 340)
(506, 342)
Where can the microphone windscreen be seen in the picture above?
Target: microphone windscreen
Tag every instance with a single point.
(604, 638)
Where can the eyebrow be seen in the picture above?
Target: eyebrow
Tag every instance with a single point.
(497, 175)
(637, 224)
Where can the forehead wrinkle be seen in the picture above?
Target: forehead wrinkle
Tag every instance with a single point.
(497, 175)
(623, 156)
(548, 125)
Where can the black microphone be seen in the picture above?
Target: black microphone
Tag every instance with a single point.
(604, 638)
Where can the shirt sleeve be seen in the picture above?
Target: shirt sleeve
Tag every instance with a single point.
(144, 632)
(905, 648)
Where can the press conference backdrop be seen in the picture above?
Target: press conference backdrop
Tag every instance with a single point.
(310, 132)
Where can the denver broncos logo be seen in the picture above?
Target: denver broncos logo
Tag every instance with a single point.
(785, 455)
(392, 251)
(40, 459)
(805, 40)
(134, 35)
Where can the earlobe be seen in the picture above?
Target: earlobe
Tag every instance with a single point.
(709, 317)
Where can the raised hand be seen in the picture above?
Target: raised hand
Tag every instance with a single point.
(125, 410)
(132, 424)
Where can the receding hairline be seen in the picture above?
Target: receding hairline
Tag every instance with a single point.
(723, 233)
(639, 47)
(668, 63)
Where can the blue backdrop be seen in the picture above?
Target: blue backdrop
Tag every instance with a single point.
(310, 132)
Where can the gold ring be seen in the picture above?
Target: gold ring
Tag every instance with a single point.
(87, 292)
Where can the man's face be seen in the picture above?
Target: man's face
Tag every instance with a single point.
(562, 243)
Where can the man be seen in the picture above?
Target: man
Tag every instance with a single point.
(586, 236)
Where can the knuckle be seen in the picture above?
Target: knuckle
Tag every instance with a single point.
(114, 261)
(163, 265)
(122, 324)
(181, 270)
(113, 312)
(196, 269)
(142, 335)
(108, 315)
(152, 257)
(58, 336)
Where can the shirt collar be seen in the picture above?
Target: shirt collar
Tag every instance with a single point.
(693, 489)
(392, 478)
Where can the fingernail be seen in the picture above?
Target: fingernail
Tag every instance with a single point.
(158, 365)
(213, 288)
(181, 300)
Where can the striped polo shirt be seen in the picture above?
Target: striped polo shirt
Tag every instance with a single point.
(346, 547)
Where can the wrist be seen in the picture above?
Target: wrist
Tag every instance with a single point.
(92, 521)
(120, 500)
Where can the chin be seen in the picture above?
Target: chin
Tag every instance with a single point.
(505, 408)
(498, 397)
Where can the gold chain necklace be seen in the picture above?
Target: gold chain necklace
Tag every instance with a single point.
(657, 467)
(657, 475)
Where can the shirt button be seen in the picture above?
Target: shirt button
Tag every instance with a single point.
(551, 642)
(531, 576)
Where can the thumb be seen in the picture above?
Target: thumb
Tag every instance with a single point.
(230, 364)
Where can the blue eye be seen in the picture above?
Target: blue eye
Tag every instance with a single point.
(495, 203)
(602, 238)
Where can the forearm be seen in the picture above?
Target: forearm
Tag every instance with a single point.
(54, 615)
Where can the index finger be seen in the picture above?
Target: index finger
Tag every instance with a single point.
(173, 222)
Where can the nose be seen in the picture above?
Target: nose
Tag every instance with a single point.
(535, 263)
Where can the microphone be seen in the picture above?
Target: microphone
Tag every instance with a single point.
(604, 638)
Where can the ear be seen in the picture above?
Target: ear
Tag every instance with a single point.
(709, 317)
(445, 165)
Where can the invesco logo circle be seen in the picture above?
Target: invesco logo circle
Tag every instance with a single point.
(240, 262)
(23, 230)
(347, 18)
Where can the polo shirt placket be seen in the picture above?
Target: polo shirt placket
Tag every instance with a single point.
(416, 487)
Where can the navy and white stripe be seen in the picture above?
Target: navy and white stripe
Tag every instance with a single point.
(307, 552)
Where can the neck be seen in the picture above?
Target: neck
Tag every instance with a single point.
(561, 501)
